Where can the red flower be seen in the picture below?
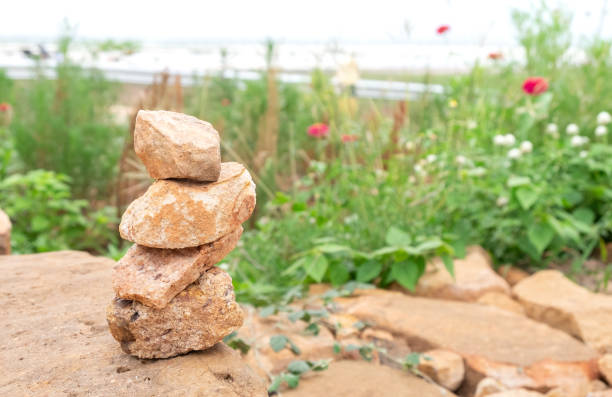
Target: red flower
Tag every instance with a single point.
(4, 107)
(535, 85)
(495, 55)
(349, 138)
(442, 29)
(318, 130)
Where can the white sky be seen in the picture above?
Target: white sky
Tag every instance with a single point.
(321, 21)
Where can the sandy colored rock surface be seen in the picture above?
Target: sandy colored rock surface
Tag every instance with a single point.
(474, 277)
(362, 379)
(513, 275)
(501, 301)
(175, 145)
(153, 276)
(605, 366)
(54, 340)
(548, 296)
(444, 367)
(181, 214)
(195, 319)
(488, 386)
(516, 350)
(5, 234)
(517, 393)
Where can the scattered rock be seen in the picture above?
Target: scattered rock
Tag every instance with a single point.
(513, 349)
(512, 275)
(488, 386)
(444, 367)
(195, 319)
(605, 366)
(474, 277)
(548, 296)
(5, 234)
(175, 145)
(501, 301)
(361, 379)
(54, 339)
(181, 214)
(154, 276)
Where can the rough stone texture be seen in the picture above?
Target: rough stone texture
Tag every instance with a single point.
(548, 296)
(602, 393)
(175, 145)
(154, 276)
(474, 277)
(195, 319)
(605, 367)
(513, 349)
(361, 379)
(517, 393)
(181, 214)
(512, 275)
(488, 386)
(54, 340)
(501, 301)
(5, 234)
(444, 367)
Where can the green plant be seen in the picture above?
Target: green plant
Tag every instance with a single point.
(295, 370)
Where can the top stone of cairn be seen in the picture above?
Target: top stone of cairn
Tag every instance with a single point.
(175, 145)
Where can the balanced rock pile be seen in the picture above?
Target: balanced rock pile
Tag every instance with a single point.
(170, 298)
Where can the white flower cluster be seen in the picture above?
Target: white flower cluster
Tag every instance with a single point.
(552, 130)
(603, 118)
(579, 140)
(504, 140)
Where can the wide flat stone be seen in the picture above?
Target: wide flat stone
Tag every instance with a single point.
(5, 234)
(362, 379)
(175, 145)
(181, 214)
(516, 350)
(54, 339)
(550, 297)
(195, 319)
(153, 276)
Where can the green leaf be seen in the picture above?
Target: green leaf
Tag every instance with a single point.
(312, 328)
(368, 270)
(316, 267)
(540, 235)
(412, 360)
(267, 311)
(278, 342)
(39, 223)
(514, 181)
(276, 382)
(407, 272)
(338, 274)
(337, 348)
(294, 349)
(296, 265)
(448, 264)
(526, 197)
(332, 248)
(429, 245)
(298, 367)
(397, 237)
(584, 215)
(292, 380)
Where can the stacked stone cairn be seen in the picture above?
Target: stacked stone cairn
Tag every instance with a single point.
(170, 298)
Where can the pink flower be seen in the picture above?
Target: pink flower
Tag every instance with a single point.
(495, 55)
(318, 130)
(349, 138)
(4, 107)
(442, 29)
(535, 85)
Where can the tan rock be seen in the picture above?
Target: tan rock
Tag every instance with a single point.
(444, 367)
(54, 339)
(175, 145)
(180, 214)
(5, 234)
(513, 349)
(517, 393)
(601, 393)
(342, 325)
(195, 319)
(488, 386)
(501, 301)
(605, 367)
(512, 275)
(597, 385)
(474, 277)
(362, 379)
(153, 276)
(548, 296)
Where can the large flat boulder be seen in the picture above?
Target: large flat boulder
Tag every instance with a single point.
(362, 379)
(175, 145)
(5, 234)
(550, 297)
(182, 214)
(54, 339)
(516, 350)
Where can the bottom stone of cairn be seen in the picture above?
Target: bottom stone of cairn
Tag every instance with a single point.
(195, 319)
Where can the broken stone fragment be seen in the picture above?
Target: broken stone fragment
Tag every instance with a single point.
(444, 367)
(180, 214)
(195, 319)
(175, 145)
(153, 276)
